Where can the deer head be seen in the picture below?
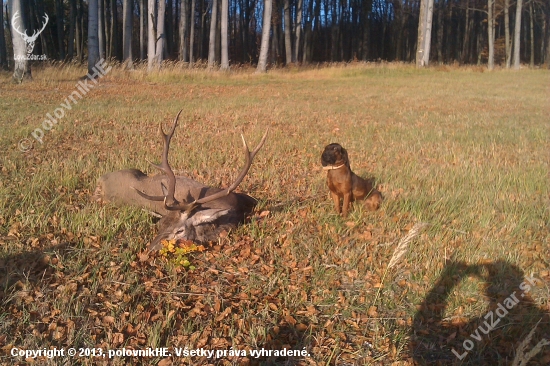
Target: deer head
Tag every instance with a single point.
(187, 217)
(29, 40)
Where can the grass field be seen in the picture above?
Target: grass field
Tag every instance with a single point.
(465, 152)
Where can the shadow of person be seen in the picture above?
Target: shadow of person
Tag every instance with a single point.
(29, 267)
(443, 334)
(285, 345)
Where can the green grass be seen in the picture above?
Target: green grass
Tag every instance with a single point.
(466, 152)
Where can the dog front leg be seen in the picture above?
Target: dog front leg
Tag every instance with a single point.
(347, 200)
(336, 201)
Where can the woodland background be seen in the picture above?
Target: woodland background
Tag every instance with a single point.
(301, 31)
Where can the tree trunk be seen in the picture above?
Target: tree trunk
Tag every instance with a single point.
(60, 29)
(142, 29)
(161, 35)
(424, 33)
(548, 45)
(101, 27)
(264, 48)
(280, 32)
(72, 24)
(22, 69)
(3, 49)
(524, 35)
(532, 35)
(288, 33)
(183, 31)
(507, 32)
(244, 5)
(202, 33)
(114, 30)
(127, 21)
(542, 42)
(93, 41)
(152, 35)
(218, 47)
(491, 34)
(79, 32)
(517, 34)
(398, 29)
(440, 13)
(225, 39)
(192, 34)
(275, 39)
(37, 12)
(298, 30)
(212, 38)
(168, 29)
(479, 47)
(365, 21)
(334, 32)
(428, 38)
(465, 57)
(449, 36)
(308, 33)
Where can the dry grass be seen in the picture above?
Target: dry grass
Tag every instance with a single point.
(464, 151)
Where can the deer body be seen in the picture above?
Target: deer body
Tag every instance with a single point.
(206, 222)
(120, 188)
(190, 210)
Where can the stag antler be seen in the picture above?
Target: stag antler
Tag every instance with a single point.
(35, 34)
(170, 202)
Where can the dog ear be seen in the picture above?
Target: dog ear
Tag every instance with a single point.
(344, 156)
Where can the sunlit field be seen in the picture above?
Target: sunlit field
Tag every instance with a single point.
(463, 151)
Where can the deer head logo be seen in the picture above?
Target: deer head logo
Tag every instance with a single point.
(29, 40)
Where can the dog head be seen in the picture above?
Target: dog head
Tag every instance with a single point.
(334, 154)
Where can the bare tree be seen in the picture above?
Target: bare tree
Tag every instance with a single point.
(225, 39)
(507, 32)
(60, 28)
(424, 33)
(307, 32)
(212, 39)
(517, 34)
(127, 22)
(93, 42)
(114, 38)
(184, 42)
(72, 26)
(22, 68)
(142, 29)
(288, 33)
(106, 19)
(152, 35)
(3, 50)
(491, 33)
(298, 30)
(266, 27)
(532, 35)
(192, 35)
(161, 32)
(156, 35)
(548, 39)
(101, 27)
(79, 34)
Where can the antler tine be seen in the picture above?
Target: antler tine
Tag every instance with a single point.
(15, 16)
(170, 202)
(36, 33)
(249, 156)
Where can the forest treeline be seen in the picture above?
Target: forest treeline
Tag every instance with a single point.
(300, 31)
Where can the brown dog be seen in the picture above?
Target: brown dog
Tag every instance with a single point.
(343, 183)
